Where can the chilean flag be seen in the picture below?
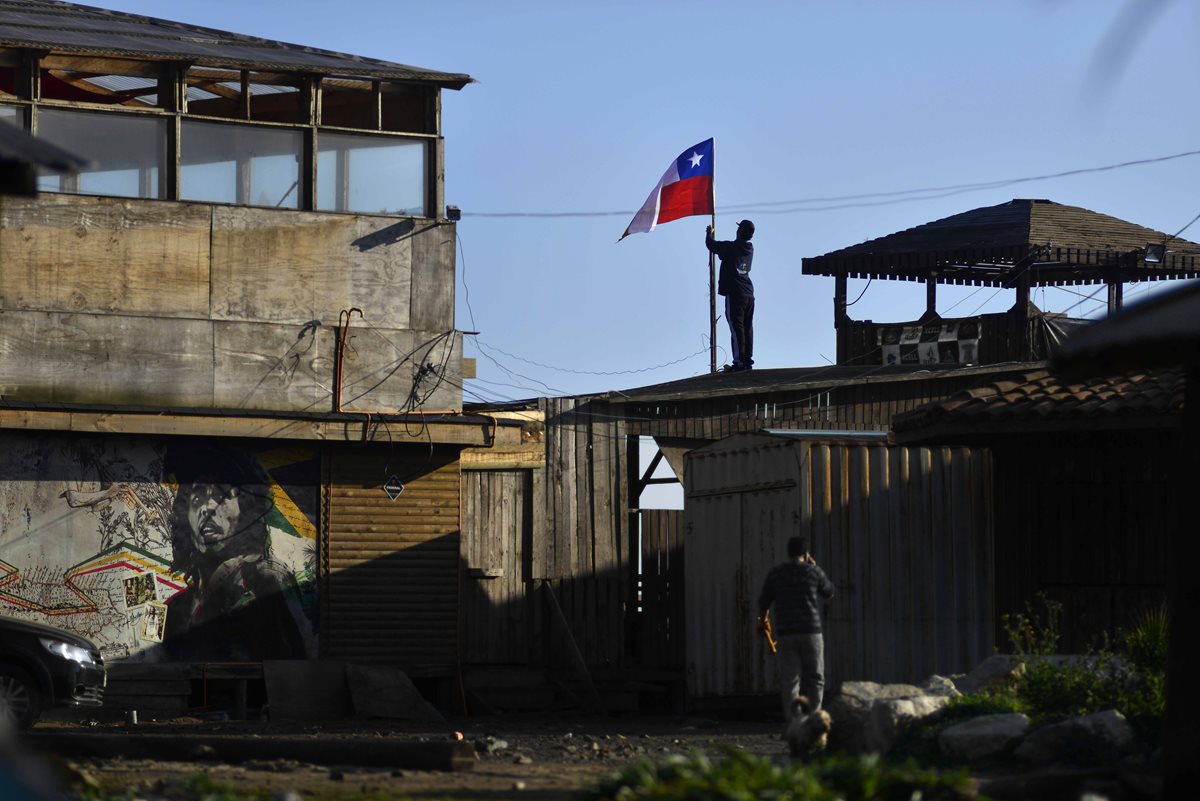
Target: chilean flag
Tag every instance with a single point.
(686, 189)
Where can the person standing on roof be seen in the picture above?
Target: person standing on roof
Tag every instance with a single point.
(734, 284)
(795, 589)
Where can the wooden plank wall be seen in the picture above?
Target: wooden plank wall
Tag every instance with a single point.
(904, 533)
(660, 617)
(500, 614)
(113, 301)
(1004, 337)
(391, 568)
(851, 407)
(581, 533)
(1091, 527)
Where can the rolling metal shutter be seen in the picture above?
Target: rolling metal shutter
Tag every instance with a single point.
(391, 569)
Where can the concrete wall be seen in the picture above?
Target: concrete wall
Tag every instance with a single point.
(162, 549)
(138, 302)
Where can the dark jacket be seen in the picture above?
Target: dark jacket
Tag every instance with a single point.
(796, 589)
(736, 257)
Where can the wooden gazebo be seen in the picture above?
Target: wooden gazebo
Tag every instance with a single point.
(1020, 244)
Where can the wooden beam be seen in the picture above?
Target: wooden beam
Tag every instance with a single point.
(351, 428)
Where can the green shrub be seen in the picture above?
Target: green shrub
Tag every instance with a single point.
(737, 776)
(1053, 690)
(1146, 644)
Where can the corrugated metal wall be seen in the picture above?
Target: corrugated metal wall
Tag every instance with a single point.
(390, 575)
(904, 533)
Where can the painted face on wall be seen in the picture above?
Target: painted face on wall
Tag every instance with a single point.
(213, 512)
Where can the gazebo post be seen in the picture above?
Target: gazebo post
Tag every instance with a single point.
(1116, 292)
(930, 296)
(839, 300)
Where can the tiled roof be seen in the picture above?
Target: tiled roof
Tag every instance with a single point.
(1054, 243)
(71, 28)
(1041, 400)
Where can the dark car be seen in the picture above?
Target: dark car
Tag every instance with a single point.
(43, 667)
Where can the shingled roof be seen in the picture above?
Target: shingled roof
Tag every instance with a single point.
(1041, 400)
(70, 28)
(1056, 244)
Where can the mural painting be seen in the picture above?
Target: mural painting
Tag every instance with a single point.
(162, 549)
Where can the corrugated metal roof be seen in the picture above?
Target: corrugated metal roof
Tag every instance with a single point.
(1042, 399)
(72, 28)
(759, 382)
(1055, 243)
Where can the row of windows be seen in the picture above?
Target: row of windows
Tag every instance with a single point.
(234, 163)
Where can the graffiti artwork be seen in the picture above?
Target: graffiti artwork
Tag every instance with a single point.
(162, 549)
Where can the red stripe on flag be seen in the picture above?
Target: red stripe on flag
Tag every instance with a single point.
(685, 199)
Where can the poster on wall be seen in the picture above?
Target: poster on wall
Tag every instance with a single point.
(156, 550)
(947, 342)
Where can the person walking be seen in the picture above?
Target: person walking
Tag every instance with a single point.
(795, 590)
(735, 286)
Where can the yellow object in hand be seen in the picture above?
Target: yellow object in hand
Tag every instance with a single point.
(764, 626)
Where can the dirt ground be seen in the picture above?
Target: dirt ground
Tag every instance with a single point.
(515, 757)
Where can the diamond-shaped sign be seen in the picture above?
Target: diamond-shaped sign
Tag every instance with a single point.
(393, 487)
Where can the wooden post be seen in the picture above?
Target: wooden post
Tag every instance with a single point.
(1116, 293)
(931, 294)
(839, 300)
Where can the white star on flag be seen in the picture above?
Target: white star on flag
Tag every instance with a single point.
(696, 159)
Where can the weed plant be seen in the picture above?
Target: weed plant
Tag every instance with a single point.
(734, 775)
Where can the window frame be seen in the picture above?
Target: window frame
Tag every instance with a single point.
(173, 105)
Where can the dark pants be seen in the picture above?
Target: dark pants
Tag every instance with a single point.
(739, 311)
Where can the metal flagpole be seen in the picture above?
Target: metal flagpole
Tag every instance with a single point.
(712, 275)
(712, 300)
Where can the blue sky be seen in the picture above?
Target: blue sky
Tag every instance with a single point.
(579, 107)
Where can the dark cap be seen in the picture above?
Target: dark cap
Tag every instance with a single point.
(747, 226)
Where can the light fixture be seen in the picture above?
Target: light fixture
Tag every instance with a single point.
(1155, 254)
(453, 213)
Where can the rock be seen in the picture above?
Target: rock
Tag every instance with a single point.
(1142, 775)
(287, 795)
(202, 752)
(490, 744)
(891, 716)
(983, 737)
(993, 671)
(850, 709)
(1101, 734)
(940, 685)
(523, 759)
(518, 786)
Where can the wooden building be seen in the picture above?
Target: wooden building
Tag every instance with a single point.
(1086, 483)
(231, 380)
(1019, 245)
(579, 492)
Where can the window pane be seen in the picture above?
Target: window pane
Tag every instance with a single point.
(348, 104)
(137, 91)
(371, 174)
(127, 151)
(213, 92)
(13, 115)
(240, 164)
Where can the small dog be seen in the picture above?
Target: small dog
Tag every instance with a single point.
(807, 732)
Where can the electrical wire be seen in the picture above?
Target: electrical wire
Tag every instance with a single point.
(866, 199)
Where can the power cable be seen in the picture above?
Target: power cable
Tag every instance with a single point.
(849, 201)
